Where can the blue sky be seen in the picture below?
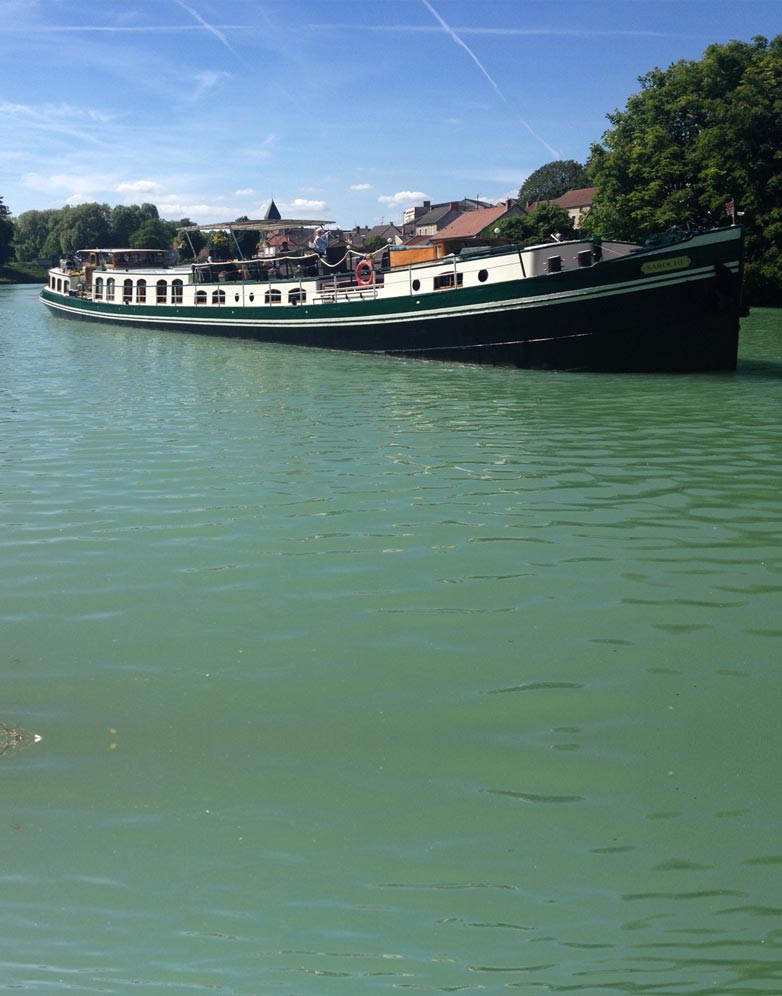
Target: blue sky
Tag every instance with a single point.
(348, 110)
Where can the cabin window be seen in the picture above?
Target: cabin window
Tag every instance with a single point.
(200, 297)
(141, 292)
(272, 297)
(110, 289)
(98, 289)
(176, 291)
(162, 291)
(59, 284)
(483, 276)
(297, 296)
(416, 285)
(127, 291)
(446, 280)
(218, 297)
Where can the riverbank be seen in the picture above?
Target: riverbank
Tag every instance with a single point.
(22, 273)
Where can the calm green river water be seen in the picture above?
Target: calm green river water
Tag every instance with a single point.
(354, 675)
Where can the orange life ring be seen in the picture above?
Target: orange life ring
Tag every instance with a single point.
(365, 272)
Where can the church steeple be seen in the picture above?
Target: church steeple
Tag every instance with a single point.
(272, 213)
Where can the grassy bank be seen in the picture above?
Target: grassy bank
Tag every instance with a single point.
(22, 273)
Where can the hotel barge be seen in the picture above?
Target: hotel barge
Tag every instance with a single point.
(671, 305)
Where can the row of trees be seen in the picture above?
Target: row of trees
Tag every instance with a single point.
(44, 234)
(697, 136)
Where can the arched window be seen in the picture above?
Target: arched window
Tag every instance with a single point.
(98, 294)
(59, 284)
(201, 297)
(162, 291)
(273, 297)
(218, 297)
(127, 291)
(297, 296)
(110, 289)
(176, 291)
(141, 292)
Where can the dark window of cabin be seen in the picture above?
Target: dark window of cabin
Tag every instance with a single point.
(446, 280)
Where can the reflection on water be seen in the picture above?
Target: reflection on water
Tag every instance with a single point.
(357, 674)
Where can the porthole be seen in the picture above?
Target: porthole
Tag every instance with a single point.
(236, 297)
(416, 285)
(483, 276)
(252, 296)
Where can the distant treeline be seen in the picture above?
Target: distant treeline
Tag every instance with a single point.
(55, 232)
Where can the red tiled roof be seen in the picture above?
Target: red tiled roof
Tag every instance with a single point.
(471, 223)
(576, 198)
(580, 198)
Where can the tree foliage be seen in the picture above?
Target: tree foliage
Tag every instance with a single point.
(553, 180)
(697, 136)
(42, 234)
(154, 233)
(125, 219)
(538, 226)
(6, 233)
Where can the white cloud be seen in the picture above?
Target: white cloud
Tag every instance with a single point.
(297, 206)
(403, 198)
(206, 80)
(137, 187)
(361, 186)
(245, 192)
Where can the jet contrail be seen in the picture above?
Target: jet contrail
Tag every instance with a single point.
(449, 30)
(210, 28)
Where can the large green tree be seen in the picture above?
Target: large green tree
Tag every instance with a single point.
(86, 226)
(125, 219)
(698, 136)
(6, 233)
(33, 228)
(553, 180)
(546, 221)
(154, 234)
